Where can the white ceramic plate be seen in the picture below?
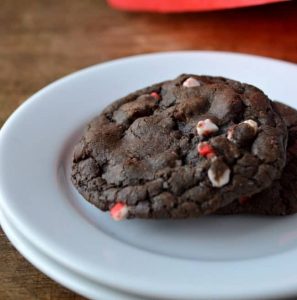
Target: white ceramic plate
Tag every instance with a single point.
(71, 280)
(213, 257)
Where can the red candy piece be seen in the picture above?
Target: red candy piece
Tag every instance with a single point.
(155, 95)
(243, 200)
(292, 148)
(207, 133)
(205, 150)
(119, 211)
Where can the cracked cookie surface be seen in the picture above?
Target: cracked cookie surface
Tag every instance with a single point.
(148, 153)
(281, 197)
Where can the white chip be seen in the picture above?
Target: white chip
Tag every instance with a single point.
(219, 181)
(191, 82)
(230, 133)
(253, 124)
(206, 127)
(250, 123)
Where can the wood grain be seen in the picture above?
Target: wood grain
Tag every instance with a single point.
(41, 41)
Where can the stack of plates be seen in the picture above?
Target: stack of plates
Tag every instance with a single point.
(61, 234)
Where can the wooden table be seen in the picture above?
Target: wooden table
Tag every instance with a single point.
(41, 41)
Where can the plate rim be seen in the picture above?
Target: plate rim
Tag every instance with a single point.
(53, 270)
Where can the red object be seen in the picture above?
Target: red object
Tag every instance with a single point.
(117, 212)
(155, 95)
(183, 5)
(292, 148)
(207, 133)
(205, 150)
(243, 200)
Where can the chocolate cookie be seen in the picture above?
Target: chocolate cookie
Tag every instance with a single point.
(281, 197)
(180, 149)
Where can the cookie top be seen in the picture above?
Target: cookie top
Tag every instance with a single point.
(180, 148)
(281, 197)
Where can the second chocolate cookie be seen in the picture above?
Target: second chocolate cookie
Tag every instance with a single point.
(281, 197)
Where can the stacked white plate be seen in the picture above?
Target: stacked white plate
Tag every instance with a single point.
(215, 257)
